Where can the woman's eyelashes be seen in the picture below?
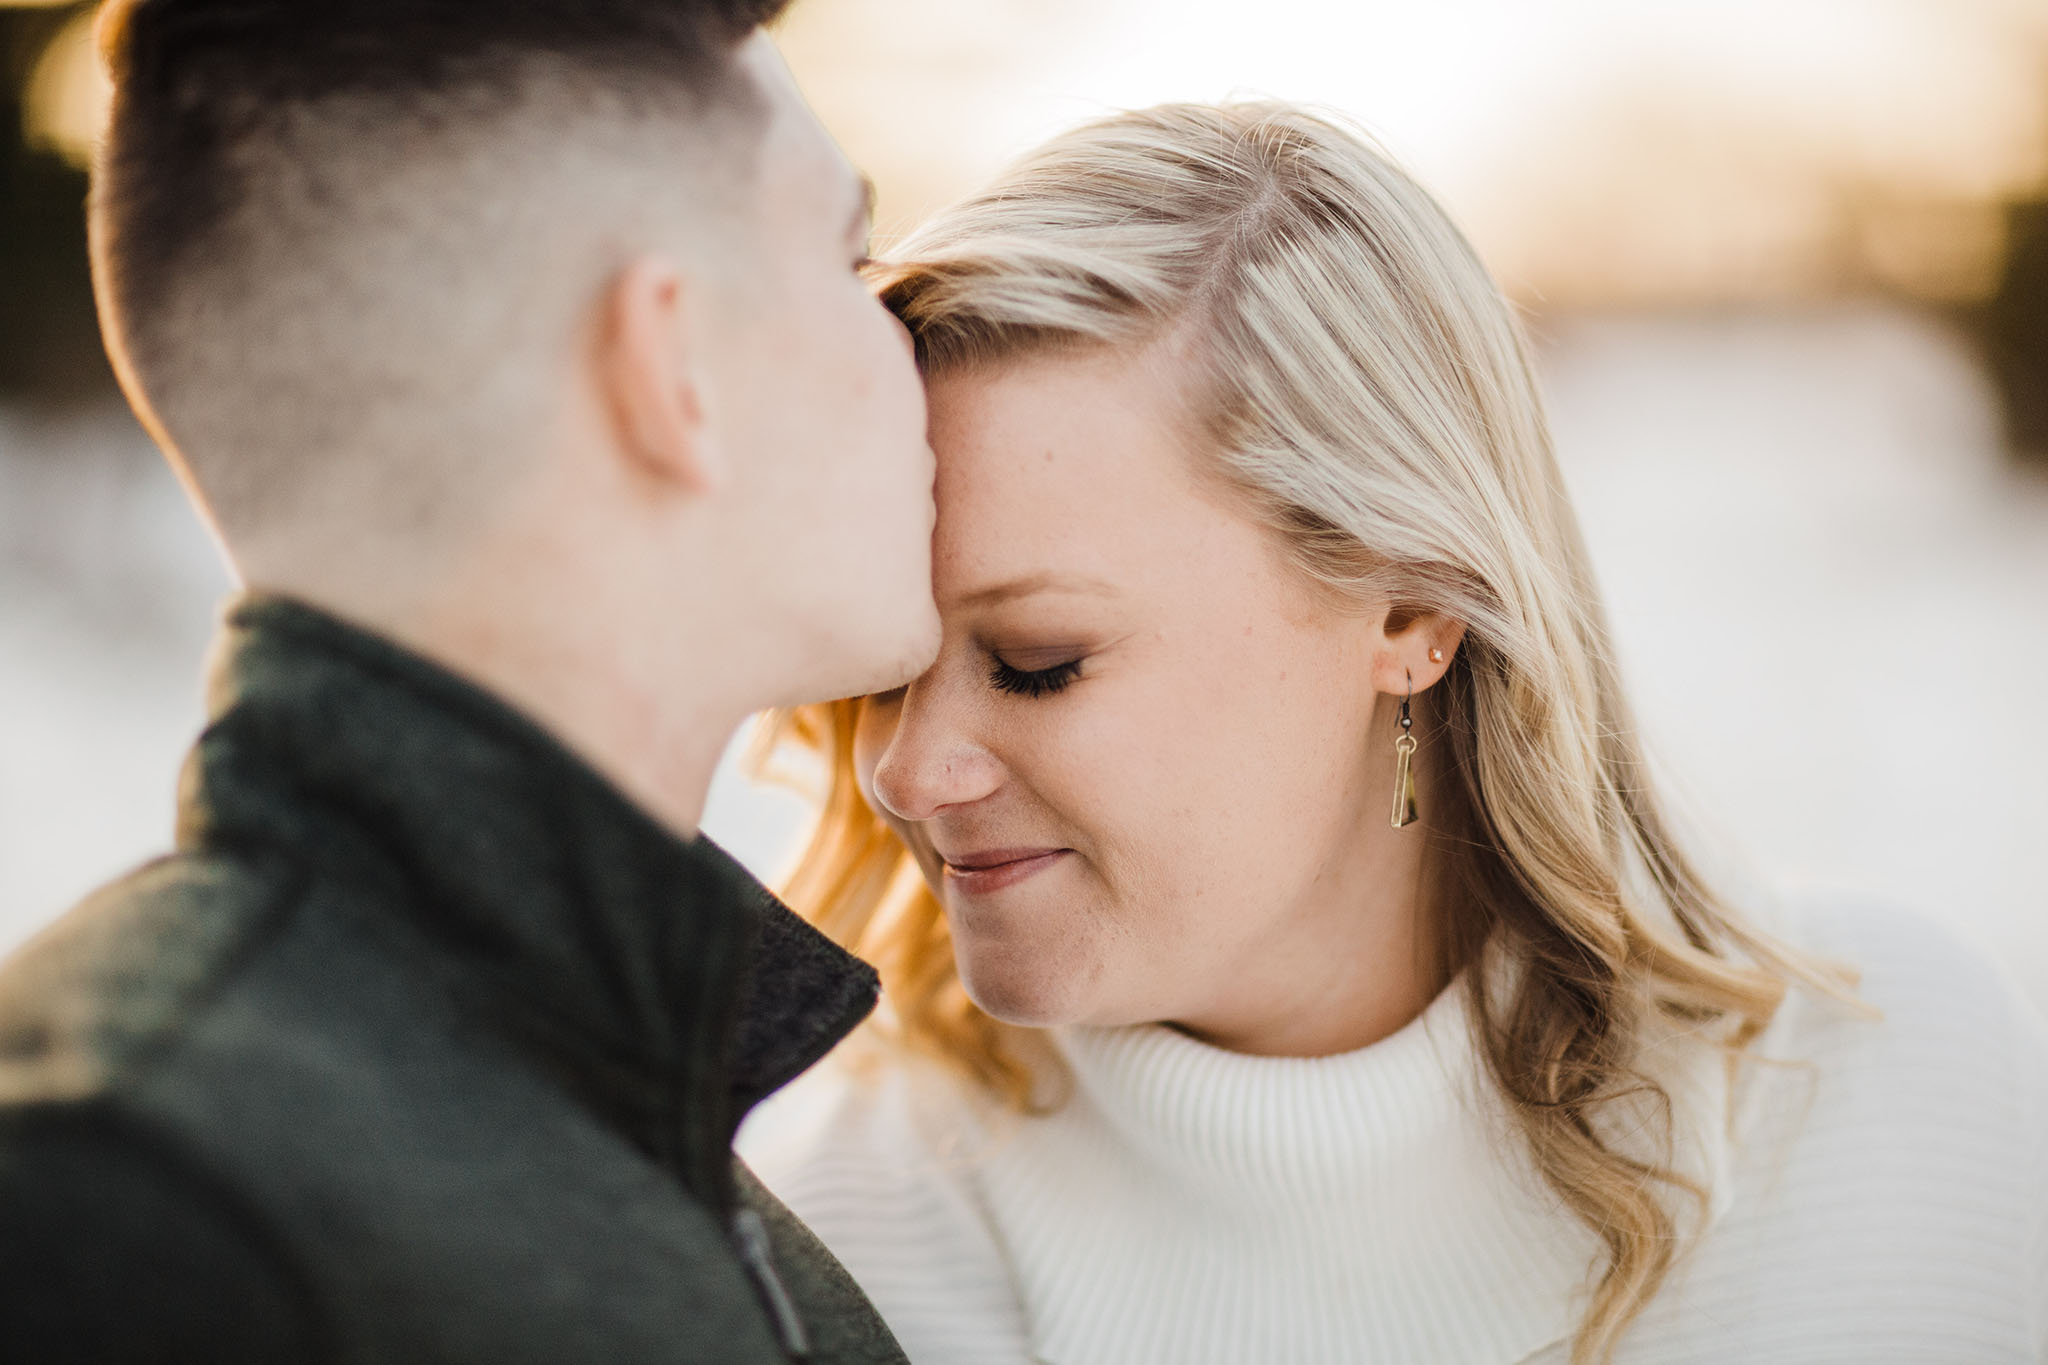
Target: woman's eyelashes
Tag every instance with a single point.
(1035, 682)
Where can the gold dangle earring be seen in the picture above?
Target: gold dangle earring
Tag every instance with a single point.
(1404, 774)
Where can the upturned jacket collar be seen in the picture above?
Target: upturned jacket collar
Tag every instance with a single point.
(651, 976)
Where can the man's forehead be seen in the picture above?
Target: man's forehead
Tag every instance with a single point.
(810, 160)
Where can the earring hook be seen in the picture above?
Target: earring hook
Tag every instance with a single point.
(1404, 776)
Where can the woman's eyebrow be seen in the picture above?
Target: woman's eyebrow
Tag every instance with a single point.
(1030, 584)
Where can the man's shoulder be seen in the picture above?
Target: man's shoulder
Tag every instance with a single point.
(263, 1071)
(115, 1247)
(117, 1240)
(122, 974)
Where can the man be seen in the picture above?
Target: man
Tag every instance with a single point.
(516, 353)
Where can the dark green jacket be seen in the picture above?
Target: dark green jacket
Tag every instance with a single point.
(426, 1045)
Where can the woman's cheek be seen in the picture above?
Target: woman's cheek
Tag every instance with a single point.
(1080, 764)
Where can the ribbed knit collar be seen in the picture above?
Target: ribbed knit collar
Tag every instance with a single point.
(1190, 1204)
(652, 976)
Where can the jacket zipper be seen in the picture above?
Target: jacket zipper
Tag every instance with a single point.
(757, 1254)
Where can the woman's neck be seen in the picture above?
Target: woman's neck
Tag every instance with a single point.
(1325, 1018)
(1356, 962)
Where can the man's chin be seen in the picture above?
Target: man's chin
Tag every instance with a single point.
(920, 648)
(912, 643)
(868, 655)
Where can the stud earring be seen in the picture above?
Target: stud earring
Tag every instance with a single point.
(1404, 774)
(1436, 656)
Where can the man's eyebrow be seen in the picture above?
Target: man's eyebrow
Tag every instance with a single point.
(863, 221)
(1035, 583)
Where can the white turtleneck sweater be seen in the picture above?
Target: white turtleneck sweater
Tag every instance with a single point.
(1883, 1199)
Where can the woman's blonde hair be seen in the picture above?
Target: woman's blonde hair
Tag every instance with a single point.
(1355, 373)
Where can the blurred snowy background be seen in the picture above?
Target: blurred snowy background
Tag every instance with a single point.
(1787, 264)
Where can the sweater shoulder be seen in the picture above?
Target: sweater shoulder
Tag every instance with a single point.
(1939, 1036)
(1897, 941)
(1935, 1002)
(1891, 1175)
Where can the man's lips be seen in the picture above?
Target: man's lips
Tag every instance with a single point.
(995, 868)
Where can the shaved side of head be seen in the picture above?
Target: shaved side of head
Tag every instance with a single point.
(345, 251)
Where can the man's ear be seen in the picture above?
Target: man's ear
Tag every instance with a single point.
(649, 364)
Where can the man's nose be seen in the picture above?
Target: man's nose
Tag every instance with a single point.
(933, 759)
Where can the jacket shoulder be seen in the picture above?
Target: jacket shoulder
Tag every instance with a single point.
(95, 994)
(114, 1248)
(844, 1325)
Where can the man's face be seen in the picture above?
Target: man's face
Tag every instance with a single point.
(822, 407)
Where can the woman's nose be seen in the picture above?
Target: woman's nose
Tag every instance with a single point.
(930, 761)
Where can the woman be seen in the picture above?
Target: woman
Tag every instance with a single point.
(1288, 959)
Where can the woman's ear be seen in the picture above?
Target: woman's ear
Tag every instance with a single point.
(649, 364)
(1414, 651)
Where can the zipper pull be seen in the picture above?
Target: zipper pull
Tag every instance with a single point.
(757, 1254)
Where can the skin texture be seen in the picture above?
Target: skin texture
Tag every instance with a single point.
(731, 508)
(1217, 775)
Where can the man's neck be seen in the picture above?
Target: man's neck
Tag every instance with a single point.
(656, 738)
(644, 737)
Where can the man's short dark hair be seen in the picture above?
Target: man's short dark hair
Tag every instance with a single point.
(242, 129)
(193, 77)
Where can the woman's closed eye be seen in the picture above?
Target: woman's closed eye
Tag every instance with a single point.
(1035, 682)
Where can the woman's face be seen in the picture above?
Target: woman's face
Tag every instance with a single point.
(1137, 776)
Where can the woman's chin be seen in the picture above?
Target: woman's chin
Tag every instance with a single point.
(1034, 992)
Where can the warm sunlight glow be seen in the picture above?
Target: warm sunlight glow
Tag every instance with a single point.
(1597, 150)
(65, 105)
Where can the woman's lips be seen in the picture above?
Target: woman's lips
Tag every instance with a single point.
(998, 868)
